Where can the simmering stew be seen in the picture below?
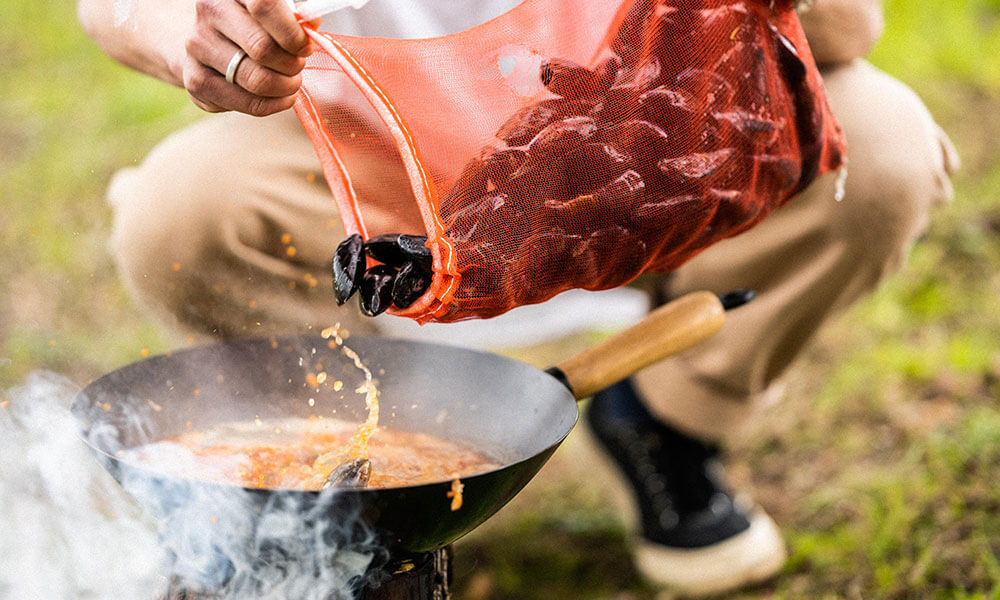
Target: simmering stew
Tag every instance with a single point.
(299, 453)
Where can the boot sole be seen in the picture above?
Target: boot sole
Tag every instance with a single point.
(752, 556)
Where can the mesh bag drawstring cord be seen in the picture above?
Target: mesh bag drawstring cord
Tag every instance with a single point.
(435, 301)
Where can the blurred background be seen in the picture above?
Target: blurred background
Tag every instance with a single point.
(882, 464)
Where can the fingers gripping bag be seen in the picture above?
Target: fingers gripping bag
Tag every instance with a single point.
(560, 145)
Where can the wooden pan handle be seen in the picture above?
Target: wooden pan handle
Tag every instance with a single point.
(670, 329)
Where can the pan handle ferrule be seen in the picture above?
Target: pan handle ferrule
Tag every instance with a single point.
(736, 298)
(560, 377)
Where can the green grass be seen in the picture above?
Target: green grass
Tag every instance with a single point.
(882, 466)
(68, 119)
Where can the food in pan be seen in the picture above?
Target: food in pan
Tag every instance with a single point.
(310, 452)
(297, 453)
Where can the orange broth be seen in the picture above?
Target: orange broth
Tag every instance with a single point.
(301, 453)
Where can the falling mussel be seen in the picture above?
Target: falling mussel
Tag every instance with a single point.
(348, 268)
(403, 275)
(411, 283)
(376, 289)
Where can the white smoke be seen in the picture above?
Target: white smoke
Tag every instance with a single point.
(68, 530)
(238, 544)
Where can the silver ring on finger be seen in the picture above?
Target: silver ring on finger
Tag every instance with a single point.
(234, 63)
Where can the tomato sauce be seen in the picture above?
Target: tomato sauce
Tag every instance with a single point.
(300, 453)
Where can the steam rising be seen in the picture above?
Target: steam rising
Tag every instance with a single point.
(71, 531)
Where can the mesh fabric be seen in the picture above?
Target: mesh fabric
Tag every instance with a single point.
(571, 145)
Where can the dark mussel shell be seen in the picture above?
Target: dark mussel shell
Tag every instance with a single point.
(411, 283)
(621, 194)
(592, 167)
(562, 137)
(667, 108)
(415, 248)
(566, 78)
(641, 140)
(353, 473)
(628, 40)
(348, 267)
(526, 123)
(609, 204)
(500, 165)
(607, 72)
(698, 165)
(376, 290)
(397, 249)
(471, 184)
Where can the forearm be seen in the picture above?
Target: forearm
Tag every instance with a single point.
(146, 35)
(842, 30)
(244, 55)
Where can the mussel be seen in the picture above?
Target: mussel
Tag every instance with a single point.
(348, 267)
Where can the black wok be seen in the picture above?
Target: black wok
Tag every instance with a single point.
(512, 412)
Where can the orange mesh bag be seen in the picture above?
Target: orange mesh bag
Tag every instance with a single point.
(561, 145)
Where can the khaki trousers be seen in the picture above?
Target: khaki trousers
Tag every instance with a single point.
(227, 229)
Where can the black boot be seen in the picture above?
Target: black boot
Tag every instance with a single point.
(689, 519)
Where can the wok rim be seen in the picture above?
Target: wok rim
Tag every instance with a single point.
(80, 403)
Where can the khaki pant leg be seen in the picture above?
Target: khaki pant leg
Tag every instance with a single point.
(809, 259)
(199, 231)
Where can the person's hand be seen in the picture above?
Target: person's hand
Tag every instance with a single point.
(258, 43)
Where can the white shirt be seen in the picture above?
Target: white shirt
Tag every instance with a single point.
(413, 19)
